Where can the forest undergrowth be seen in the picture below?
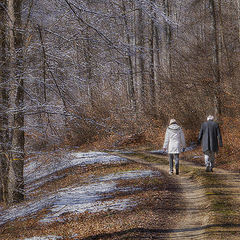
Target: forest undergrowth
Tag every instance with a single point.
(152, 138)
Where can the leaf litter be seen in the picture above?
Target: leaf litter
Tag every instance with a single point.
(92, 197)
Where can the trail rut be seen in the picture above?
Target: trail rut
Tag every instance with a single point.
(198, 216)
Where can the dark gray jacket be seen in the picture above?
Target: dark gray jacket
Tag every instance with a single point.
(210, 136)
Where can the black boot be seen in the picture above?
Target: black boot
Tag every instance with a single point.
(177, 171)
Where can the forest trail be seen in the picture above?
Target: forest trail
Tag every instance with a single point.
(211, 201)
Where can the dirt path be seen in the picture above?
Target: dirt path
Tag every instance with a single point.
(211, 201)
(224, 194)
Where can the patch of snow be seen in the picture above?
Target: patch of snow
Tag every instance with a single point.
(98, 206)
(95, 157)
(87, 198)
(43, 238)
(194, 157)
(83, 194)
(121, 151)
(25, 209)
(67, 196)
(31, 187)
(36, 170)
(73, 200)
(160, 152)
(191, 147)
(90, 197)
(129, 189)
(128, 175)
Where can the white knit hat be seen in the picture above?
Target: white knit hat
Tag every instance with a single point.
(172, 121)
(210, 117)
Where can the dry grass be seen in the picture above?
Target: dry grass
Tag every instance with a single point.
(155, 198)
(228, 157)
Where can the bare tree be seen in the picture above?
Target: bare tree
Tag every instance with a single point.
(141, 59)
(4, 136)
(216, 59)
(16, 101)
(131, 87)
(95, 64)
(152, 72)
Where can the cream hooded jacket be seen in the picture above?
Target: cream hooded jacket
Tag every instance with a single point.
(174, 139)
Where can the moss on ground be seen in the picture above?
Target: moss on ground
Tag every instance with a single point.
(222, 206)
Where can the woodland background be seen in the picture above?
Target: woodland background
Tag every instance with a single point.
(111, 73)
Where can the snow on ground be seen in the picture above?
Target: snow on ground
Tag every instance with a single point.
(88, 197)
(194, 157)
(191, 147)
(78, 200)
(91, 197)
(127, 175)
(44, 238)
(25, 209)
(95, 157)
(36, 170)
(160, 152)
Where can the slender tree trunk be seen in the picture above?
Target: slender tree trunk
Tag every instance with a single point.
(158, 39)
(44, 64)
(42, 90)
(167, 39)
(16, 183)
(141, 60)
(2, 60)
(89, 73)
(216, 61)
(4, 161)
(238, 9)
(131, 88)
(152, 67)
(223, 40)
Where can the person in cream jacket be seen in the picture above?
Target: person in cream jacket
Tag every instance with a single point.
(174, 144)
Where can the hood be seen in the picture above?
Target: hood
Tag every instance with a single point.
(174, 127)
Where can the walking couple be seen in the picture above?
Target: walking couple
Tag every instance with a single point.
(209, 135)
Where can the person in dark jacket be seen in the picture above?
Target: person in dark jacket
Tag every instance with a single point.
(211, 139)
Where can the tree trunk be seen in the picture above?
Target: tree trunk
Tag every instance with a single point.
(41, 91)
(216, 62)
(158, 44)
(238, 9)
(152, 68)
(131, 88)
(168, 35)
(16, 98)
(4, 161)
(89, 72)
(223, 40)
(141, 60)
